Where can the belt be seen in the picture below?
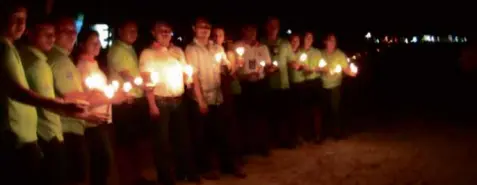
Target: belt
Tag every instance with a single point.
(169, 99)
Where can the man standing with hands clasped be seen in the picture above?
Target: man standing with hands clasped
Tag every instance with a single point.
(207, 59)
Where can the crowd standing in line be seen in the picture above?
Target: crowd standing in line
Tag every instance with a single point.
(201, 108)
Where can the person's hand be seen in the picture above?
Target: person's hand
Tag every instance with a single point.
(93, 117)
(154, 112)
(203, 108)
(120, 97)
(70, 108)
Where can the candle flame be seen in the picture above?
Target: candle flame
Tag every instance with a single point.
(115, 84)
(262, 63)
(138, 81)
(109, 91)
(338, 69)
(154, 77)
(240, 51)
(95, 81)
(349, 60)
(127, 86)
(218, 57)
(275, 63)
(322, 63)
(354, 68)
(303, 57)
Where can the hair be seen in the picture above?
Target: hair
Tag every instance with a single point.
(60, 20)
(125, 22)
(83, 36)
(329, 35)
(39, 21)
(271, 18)
(308, 32)
(160, 22)
(293, 35)
(201, 19)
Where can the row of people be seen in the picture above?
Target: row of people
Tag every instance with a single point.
(235, 103)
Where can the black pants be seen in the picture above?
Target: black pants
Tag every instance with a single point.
(279, 117)
(256, 131)
(332, 123)
(18, 165)
(130, 122)
(90, 153)
(171, 141)
(313, 106)
(53, 162)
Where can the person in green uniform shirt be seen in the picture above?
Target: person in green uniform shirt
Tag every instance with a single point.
(18, 129)
(40, 79)
(130, 117)
(278, 82)
(313, 87)
(332, 75)
(67, 82)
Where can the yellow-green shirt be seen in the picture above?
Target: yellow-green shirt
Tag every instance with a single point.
(40, 79)
(122, 57)
(287, 54)
(333, 59)
(280, 79)
(67, 79)
(314, 57)
(22, 118)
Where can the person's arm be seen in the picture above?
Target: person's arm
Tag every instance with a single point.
(117, 60)
(144, 58)
(192, 58)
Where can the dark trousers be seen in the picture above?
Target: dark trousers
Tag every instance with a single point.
(53, 162)
(171, 141)
(255, 132)
(88, 155)
(279, 117)
(132, 150)
(313, 106)
(332, 124)
(300, 113)
(18, 165)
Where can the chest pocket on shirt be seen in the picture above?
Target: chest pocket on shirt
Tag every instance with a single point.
(69, 75)
(274, 49)
(252, 64)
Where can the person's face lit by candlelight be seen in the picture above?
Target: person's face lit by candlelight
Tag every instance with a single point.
(91, 46)
(43, 36)
(273, 26)
(66, 33)
(330, 42)
(202, 29)
(219, 36)
(308, 40)
(128, 32)
(250, 33)
(16, 23)
(295, 42)
(162, 32)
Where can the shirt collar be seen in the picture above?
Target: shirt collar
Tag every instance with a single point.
(121, 43)
(37, 52)
(5, 40)
(63, 51)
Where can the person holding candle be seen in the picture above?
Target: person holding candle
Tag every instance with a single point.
(130, 117)
(313, 88)
(68, 84)
(96, 135)
(331, 77)
(218, 124)
(278, 82)
(252, 59)
(164, 64)
(18, 136)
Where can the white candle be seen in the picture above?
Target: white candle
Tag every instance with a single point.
(275, 63)
(354, 68)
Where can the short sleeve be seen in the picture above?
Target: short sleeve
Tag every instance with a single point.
(63, 75)
(266, 52)
(40, 79)
(343, 60)
(118, 60)
(145, 56)
(192, 57)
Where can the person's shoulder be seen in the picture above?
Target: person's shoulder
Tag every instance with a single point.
(147, 51)
(175, 48)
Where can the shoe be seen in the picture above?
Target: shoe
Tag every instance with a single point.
(213, 175)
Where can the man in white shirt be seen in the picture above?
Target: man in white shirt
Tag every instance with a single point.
(163, 64)
(207, 58)
(252, 64)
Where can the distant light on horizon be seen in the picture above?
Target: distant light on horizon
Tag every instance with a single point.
(179, 39)
(376, 41)
(464, 39)
(450, 38)
(104, 34)
(368, 35)
(289, 31)
(414, 39)
(406, 40)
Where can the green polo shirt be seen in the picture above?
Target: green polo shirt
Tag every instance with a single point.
(278, 51)
(67, 79)
(20, 118)
(314, 57)
(40, 79)
(122, 57)
(287, 55)
(333, 59)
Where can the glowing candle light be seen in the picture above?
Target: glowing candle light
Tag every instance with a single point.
(349, 60)
(115, 84)
(338, 69)
(262, 63)
(95, 81)
(109, 91)
(303, 57)
(218, 57)
(189, 71)
(353, 68)
(154, 77)
(138, 81)
(322, 63)
(127, 87)
(240, 51)
(275, 63)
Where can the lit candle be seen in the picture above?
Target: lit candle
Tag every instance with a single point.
(353, 68)
(95, 81)
(322, 63)
(218, 57)
(240, 51)
(338, 69)
(189, 71)
(138, 81)
(127, 87)
(154, 77)
(303, 57)
(262, 63)
(109, 91)
(347, 59)
(115, 84)
(275, 63)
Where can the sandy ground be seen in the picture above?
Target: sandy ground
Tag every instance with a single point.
(412, 154)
